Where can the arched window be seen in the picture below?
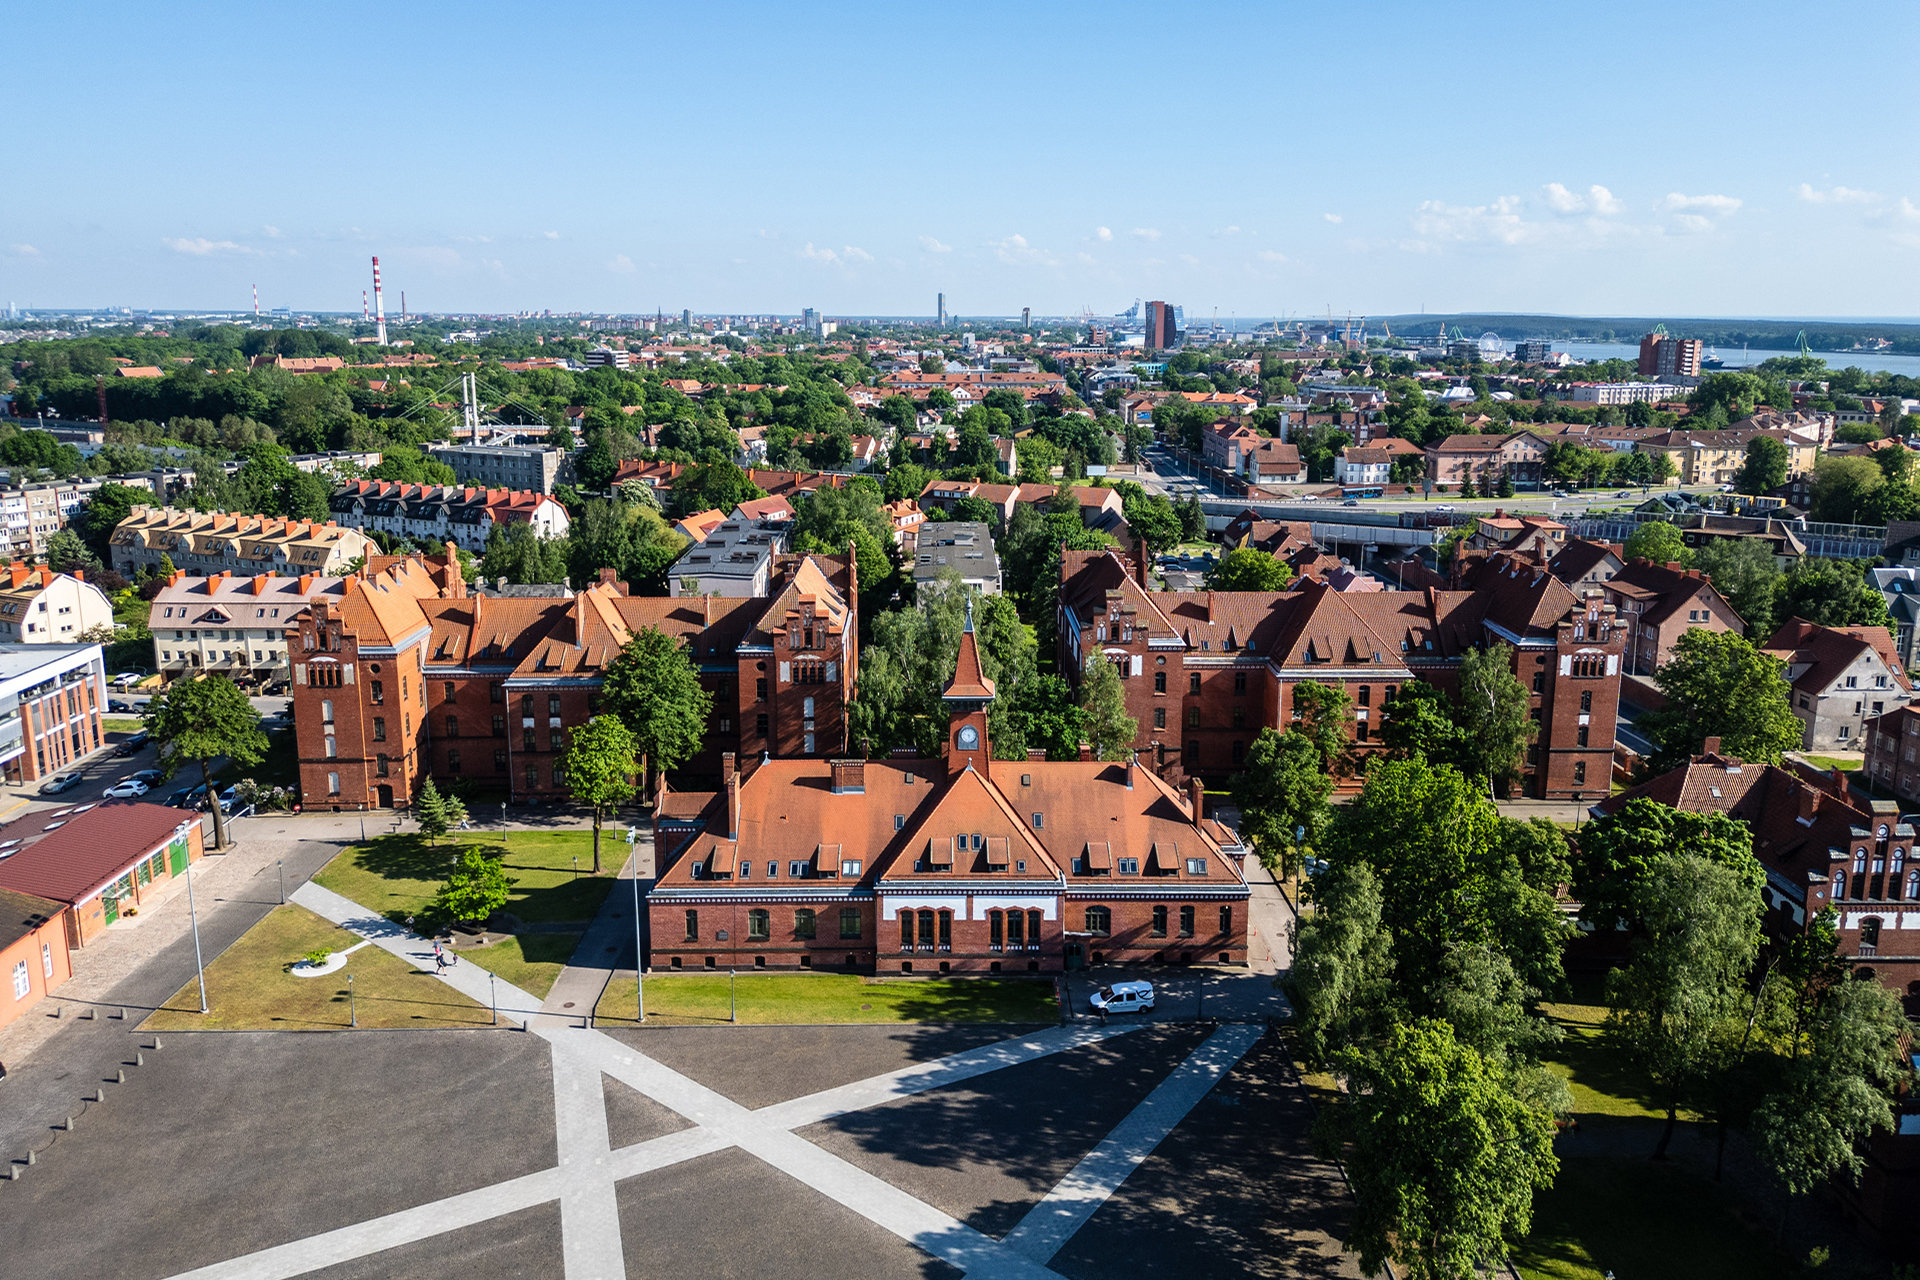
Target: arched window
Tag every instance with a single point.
(1882, 832)
(995, 931)
(1913, 884)
(1899, 856)
(1860, 861)
(1869, 935)
(1099, 921)
(1839, 885)
(926, 930)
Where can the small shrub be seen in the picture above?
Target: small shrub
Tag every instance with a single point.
(317, 958)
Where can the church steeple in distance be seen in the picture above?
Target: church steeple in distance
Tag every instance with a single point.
(968, 695)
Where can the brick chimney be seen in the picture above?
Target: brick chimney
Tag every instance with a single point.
(1086, 751)
(19, 574)
(1809, 802)
(1132, 761)
(1140, 563)
(849, 777)
(1710, 747)
(1196, 797)
(729, 767)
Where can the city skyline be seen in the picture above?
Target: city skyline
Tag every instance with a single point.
(1057, 160)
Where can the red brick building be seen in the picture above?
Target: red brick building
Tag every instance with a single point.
(1205, 671)
(410, 674)
(965, 864)
(1660, 603)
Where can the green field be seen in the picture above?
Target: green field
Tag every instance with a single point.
(249, 987)
(1634, 1218)
(530, 961)
(702, 999)
(399, 875)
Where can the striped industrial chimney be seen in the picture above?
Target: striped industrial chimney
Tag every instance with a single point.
(379, 308)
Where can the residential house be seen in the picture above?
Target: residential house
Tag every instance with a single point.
(1469, 459)
(965, 864)
(906, 518)
(1840, 678)
(1716, 457)
(39, 606)
(959, 551)
(735, 558)
(1582, 563)
(205, 543)
(1899, 586)
(1660, 603)
(236, 627)
(1354, 467)
(444, 513)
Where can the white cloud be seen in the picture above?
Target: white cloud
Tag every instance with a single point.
(272, 233)
(201, 247)
(1334, 218)
(1837, 195)
(1103, 233)
(549, 235)
(1084, 258)
(1268, 255)
(1718, 206)
(932, 245)
(1500, 220)
(1146, 233)
(1596, 200)
(853, 253)
(819, 255)
(620, 264)
(1226, 231)
(23, 251)
(1016, 252)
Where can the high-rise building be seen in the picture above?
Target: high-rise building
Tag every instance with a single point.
(1026, 317)
(940, 309)
(1662, 354)
(686, 319)
(1161, 334)
(1532, 351)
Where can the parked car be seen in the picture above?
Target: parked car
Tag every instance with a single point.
(118, 704)
(182, 799)
(1561, 493)
(1123, 997)
(1446, 507)
(126, 789)
(149, 776)
(133, 745)
(59, 782)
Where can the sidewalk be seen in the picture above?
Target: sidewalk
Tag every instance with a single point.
(603, 948)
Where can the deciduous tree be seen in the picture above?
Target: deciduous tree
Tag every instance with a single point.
(1660, 542)
(1282, 797)
(202, 720)
(477, 886)
(1248, 569)
(654, 688)
(601, 760)
(1717, 685)
(1103, 708)
(1444, 1158)
(1493, 718)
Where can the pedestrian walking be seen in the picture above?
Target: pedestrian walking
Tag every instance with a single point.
(410, 928)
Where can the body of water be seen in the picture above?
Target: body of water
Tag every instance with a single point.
(1735, 358)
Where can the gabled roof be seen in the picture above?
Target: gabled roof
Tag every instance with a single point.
(1581, 556)
(1816, 656)
(68, 854)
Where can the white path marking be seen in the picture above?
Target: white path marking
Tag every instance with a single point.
(589, 1216)
(1052, 1222)
(584, 1181)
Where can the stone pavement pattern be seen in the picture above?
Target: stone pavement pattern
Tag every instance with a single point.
(615, 1214)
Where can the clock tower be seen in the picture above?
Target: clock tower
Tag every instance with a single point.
(968, 696)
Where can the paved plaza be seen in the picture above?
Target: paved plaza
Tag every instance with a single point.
(545, 1147)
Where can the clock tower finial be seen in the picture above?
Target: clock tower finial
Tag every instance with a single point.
(968, 695)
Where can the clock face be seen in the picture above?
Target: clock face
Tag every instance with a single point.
(969, 738)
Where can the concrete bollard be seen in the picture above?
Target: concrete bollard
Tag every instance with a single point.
(69, 1124)
(33, 1157)
(99, 1095)
(139, 1059)
(87, 1014)
(156, 1043)
(120, 1076)
(13, 1173)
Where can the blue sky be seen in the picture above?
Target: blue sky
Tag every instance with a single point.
(1646, 159)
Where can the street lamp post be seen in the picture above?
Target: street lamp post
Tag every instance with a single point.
(280, 865)
(639, 967)
(733, 1007)
(199, 967)
(353, 1010)
(493, 996)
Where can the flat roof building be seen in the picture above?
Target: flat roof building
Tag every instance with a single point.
(960, 547)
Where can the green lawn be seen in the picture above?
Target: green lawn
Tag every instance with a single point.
(249, 987)
(398, 875)
(121, 724)
(530, 961)
(1635, 1218)
(1834, 762)
(1604, 1080)
(701, 998)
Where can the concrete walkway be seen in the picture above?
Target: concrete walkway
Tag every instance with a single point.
(609, 943)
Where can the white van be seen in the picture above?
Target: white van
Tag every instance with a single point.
(1123, 997)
